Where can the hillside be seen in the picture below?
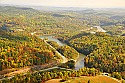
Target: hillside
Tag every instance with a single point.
(61, 22)
(21, 50)
(85, 79)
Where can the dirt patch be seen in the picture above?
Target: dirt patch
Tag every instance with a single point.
(7, 71)
(53, 81)
(21, 70)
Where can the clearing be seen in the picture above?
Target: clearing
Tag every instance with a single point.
(85, 79)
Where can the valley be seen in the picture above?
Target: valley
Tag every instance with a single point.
(71, 46)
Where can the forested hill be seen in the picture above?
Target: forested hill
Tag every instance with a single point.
(63, 21)
(11, 10)
(20, 50)
(29, 20)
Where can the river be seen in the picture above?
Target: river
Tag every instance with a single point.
(51, 38)
(80, 61)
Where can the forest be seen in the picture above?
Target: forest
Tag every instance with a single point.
(20, 50)
(66, 50)
(103, 51)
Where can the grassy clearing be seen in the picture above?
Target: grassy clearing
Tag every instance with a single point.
(85, 79)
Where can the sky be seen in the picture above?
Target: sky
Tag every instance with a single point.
(69, 3)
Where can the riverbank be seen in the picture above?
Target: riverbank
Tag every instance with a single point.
(79, 60)
(47, 66)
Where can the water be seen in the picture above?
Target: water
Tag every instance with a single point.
(51, 38)
(100, 29)
(79, 63)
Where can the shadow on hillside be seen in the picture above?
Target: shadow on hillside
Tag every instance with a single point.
(13, 37)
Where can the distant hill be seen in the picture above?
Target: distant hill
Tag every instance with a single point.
(15, 10)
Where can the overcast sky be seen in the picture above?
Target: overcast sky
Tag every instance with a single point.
(69, 3)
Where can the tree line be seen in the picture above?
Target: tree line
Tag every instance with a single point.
(41, 77)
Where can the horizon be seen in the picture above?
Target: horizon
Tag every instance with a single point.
(64, 3)
(14, 5)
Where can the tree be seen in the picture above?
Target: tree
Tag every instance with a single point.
(89, 81)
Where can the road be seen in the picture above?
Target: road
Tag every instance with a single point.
(64, 60)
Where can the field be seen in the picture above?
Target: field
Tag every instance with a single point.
(85, 79)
